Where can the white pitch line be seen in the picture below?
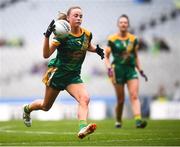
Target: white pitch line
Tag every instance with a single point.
(38, 132)
(56, 133)
(61, 133)
(97, 133)
(6, 127)
(138, 139)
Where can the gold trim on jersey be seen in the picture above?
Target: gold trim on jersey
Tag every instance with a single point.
(131, 42)
(48, 75)
(55, 42)
(86, 32)
(81, 33)
(117, 37)
(129, 36)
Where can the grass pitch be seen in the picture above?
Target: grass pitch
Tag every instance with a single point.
(63, 133)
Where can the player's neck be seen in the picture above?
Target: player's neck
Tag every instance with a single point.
(76, 30)
(123, 34)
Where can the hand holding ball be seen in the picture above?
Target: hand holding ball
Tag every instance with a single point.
(61, 27)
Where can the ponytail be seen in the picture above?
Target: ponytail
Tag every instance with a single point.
(62, 16)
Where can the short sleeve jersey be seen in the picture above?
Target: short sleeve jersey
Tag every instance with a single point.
(71, 50)
(123, 49)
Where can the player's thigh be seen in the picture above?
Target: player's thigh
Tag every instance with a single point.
(78, 91)
(133, 87)
(50, 96)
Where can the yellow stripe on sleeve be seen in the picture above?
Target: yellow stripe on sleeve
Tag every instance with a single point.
(55, 42)
(132, 37)
(88, 33)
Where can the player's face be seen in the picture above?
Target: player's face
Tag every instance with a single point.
(75, 17)
(123, 24)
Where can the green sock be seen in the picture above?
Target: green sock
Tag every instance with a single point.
(26, 109)
(82, 124)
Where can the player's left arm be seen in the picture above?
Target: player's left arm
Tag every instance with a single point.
(138, 64)
(92, 47)
(96, 49)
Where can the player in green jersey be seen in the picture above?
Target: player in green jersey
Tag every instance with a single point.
(64, 70)
(123, 46)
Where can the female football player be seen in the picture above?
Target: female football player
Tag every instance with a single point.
(123, 46)
(64, 70)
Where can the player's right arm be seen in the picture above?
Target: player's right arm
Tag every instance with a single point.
(107, 61)
(107, 57)
(48, 50)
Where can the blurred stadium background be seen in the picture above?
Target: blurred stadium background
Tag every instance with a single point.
(155, 22)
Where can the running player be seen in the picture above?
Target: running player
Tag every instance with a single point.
(64, 70)
(123, 46)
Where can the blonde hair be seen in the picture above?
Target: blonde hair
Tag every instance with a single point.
(71, 8)
(64, 15)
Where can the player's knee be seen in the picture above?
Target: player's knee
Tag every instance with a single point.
(134, 96)
(120, 101)
(84, 100)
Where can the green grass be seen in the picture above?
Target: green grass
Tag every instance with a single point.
(63, 133)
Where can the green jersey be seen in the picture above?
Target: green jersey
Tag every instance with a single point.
(123, 49)
(71, 51)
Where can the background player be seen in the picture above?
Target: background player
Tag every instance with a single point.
(64, 70)
(123, 46)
